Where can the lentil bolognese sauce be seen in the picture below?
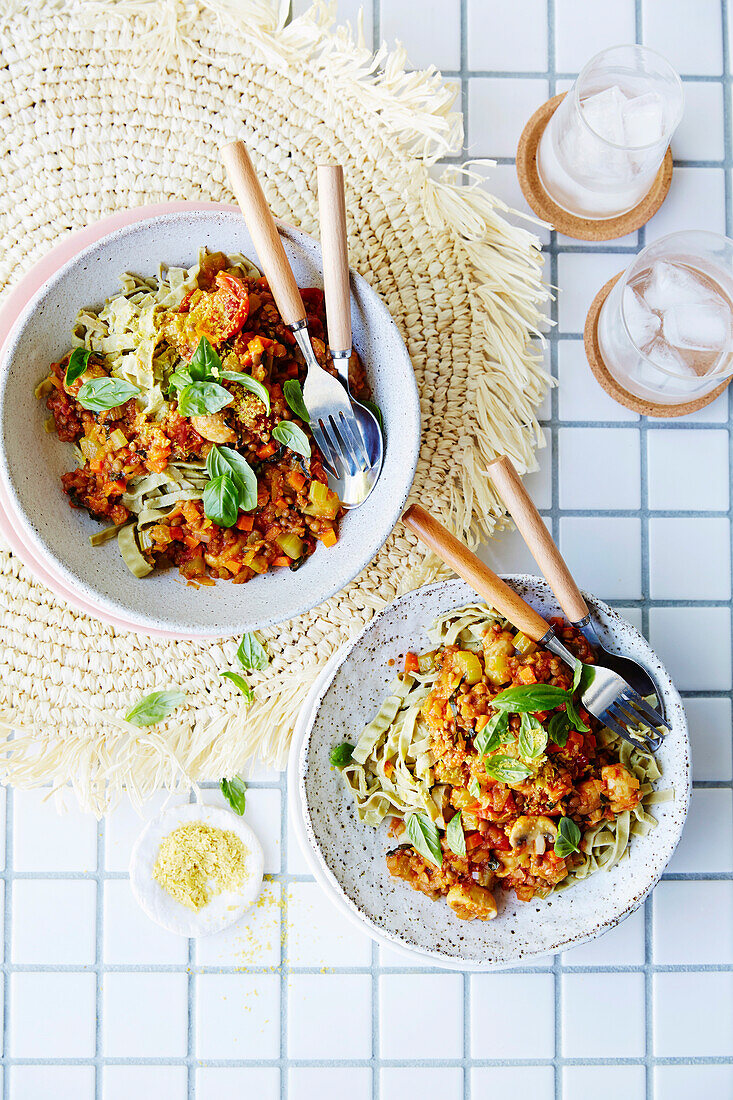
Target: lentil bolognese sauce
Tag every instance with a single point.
(493, 774)
(183, 397)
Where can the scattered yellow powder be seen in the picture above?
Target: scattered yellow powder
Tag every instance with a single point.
(198, 861)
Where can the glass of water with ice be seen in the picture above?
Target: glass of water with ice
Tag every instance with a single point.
(665, 330)
(603, 146)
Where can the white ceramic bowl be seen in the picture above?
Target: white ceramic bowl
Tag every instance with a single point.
(348, 857)
(32, 461)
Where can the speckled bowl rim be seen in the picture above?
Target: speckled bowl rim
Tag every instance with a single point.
(303, 828)
(177, 627)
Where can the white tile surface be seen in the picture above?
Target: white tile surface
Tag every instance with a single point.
(499, 1013)
(41, 1025)
(433, 39)
(695, 201)
(237, 1016)
(585, 27)
(700, 135)
(613, 455)
(580, 277)
(604, 555)
(693, 1014)
(45, 839)
(689, 559)
(622, 946)
(323, 1005)
(507, 37)
(687, 32)
(688, 471)
(694, 644)
(439, 1083)
(329, 1083)
(498, 109)
(603, 1082)
(622, 1035)
(318, 935)
(144, 1015)
(706, 844)
(693, 923)
(409, 1026)
(59, 1082)
(54, 923)
(514, 1082)
(237, 1082)
(145, 1082)
(131, 938)
(579, 395)
(709, 722)
(682, 1082)
(123, 826)
(255, 940)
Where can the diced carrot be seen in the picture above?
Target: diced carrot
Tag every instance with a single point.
(245, 523)
(296, 479)
(176, 532)
(411, 663)
(281, 559)
(190, 540)
(328, 538)
(266, 450)
(281, 502)
(473, 840)
(292, 370)
(481, 721)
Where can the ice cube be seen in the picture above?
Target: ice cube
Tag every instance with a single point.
(604, 113)
(669, 285)
(702, 326)
(643, 120)
(662, 355)
(643, 325)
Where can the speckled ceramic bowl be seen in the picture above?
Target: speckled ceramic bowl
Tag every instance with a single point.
(347, 857)
(31, 461)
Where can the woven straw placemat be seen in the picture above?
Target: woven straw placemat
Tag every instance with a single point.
(117, 104)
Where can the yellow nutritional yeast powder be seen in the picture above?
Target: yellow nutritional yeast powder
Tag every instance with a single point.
(198, 861)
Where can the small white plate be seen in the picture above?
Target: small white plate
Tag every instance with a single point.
(223, 909)
(348, 857)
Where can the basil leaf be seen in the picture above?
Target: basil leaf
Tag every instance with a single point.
(506, 769)
(293, 392)
(529, 698)
(558, 729)
(454, 835)
(474, 787)
(155, 707)
(489, 738)
(180, 379)
(221, 501)
(252, 654)
(568, 837)
(375, 409)
(577, 674)
(532, 738)
(340, 755)
(224, 462)
(575, 720)
(100, 394)
(202, 398)
(235, 792)
(425, 837)
(77, 364)
(250, 384)
(241, 683)
(293, 437)
(205, 362)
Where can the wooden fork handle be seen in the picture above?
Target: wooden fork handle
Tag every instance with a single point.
(538, 539)
(472, 569)
(262, 228)
(335, 254)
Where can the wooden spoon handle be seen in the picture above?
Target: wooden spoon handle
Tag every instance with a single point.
(479, 576)
(538, 538)
(335, 253)
(263, 231)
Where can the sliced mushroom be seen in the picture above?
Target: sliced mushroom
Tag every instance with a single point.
(533, 832)
(214, 428)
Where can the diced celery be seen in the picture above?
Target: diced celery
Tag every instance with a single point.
(524, 645)
(117, 440)
(469, 664)
(290, 544)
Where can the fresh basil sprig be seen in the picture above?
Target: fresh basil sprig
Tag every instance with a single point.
(474, 787)
(241, 683)
(293, 393)
(506, 769)
(203, 399)
(568, 837)
(377, 413)
(340, 755)
(235, 792)
(250, 384)
(77, 364)
(290, 435)
(221, 501)
(100, 394)
(252, 654)
(454, 835)
(205, 362)
(153, 708)
(575, 720)
(425, 837)
(490, 737)
(529, 698)
(224, 462)
(558, 729)
(532, 739)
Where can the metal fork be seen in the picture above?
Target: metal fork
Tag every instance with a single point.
(332, 421)
(606, 696)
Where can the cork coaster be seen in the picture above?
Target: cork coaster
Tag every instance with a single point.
(582, 229)
(615, 389)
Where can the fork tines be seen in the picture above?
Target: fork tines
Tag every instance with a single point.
(340, 442)
(631, 718)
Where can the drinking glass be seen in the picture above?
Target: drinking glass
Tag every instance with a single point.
(665, 330)
(603, 146)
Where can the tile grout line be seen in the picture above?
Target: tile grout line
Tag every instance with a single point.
(7, 928)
